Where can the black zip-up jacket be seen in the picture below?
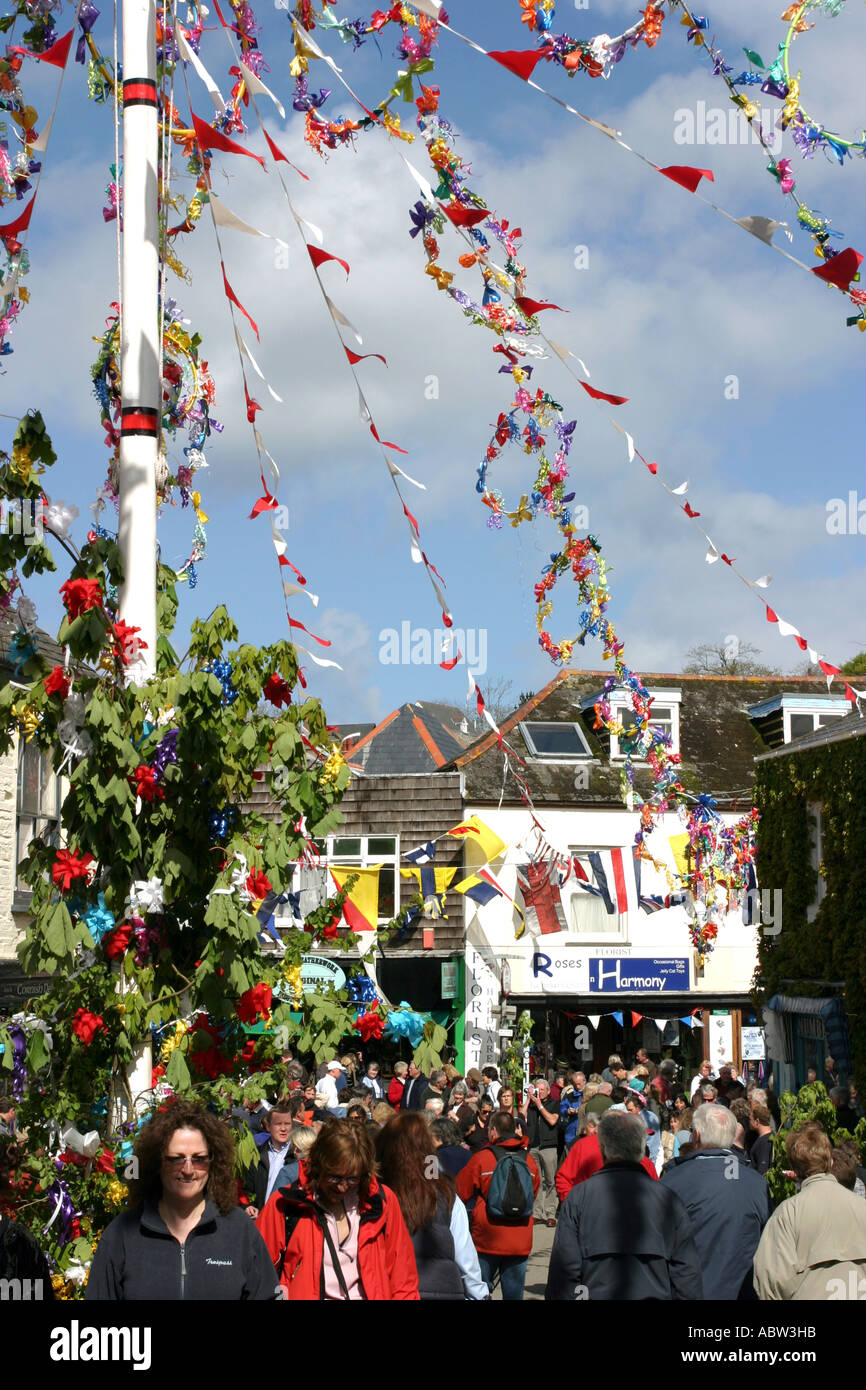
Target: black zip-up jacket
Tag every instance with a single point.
(223, 1259)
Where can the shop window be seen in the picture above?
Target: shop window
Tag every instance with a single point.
(816, 856)
(38, 804)
(588, 916)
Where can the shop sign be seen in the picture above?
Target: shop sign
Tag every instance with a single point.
(752, 1046)
(318, 974)
(448, 987)
(636, 975)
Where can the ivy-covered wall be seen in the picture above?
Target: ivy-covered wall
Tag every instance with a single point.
(833, 945)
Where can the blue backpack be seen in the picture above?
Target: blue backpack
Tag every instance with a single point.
(510, 1196)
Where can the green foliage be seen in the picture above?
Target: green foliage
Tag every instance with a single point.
(832, 947)
(810, 1103)
(512, 1059)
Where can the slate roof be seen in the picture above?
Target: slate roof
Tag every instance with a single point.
(718, 740)
(413, 738)
(851, 726)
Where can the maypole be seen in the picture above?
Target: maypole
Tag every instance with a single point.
(140, 366)
(140, 377)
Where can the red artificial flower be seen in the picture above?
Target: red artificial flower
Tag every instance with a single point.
(126, 645)
(86, 1025)
(145, 783)
(105, 1162)
(255, 1003)
(249, 1050)
(79, 595)
(277, 691)
(258, 884)
(57, 683)
(117, 942)
(156, 1075)
(330, 931)
(370, 1025)
(69, 1156)
(68, 866)
(429, 102)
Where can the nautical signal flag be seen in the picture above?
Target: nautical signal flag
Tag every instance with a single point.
(487, 840)
(361, 908)
(614, 873)
(433, 885)
(424, 854)
(481, 888)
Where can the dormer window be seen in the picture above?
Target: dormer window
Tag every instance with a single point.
(788, 717)
(664, 714)
(556, 742)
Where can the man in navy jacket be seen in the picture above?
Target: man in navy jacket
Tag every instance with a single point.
(727, 1201)
(620, 1235)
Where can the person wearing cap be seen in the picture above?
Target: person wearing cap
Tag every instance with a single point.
(327, 1088)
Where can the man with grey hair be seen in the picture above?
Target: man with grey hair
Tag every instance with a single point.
(433, 1107)
(622, 1235)
(727, 1201)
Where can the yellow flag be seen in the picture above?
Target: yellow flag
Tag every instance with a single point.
(487, 840)
(361, 910)
(680, 845)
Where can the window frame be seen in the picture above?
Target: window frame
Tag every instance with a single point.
(816, 712)
(363, 860)
(586, 756)
(671, 698)
(38, 820)
(619, 935)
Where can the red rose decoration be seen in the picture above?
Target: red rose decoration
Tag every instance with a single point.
(105, 1162)
(258, 884)
(86, 1025)
(68, 866)
(255, 1003)
(116, 944)
(57, 683)
(277, 691)
(145, 783)
(330, 931)
(126, 644)
(370, 1025)
(80, 595)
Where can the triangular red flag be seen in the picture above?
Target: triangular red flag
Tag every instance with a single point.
(839, 270)
(828, 669)
(293, 568)
(234, 299)
(264, 504)
(21, 223)
(318, 257)
(479, 701)
(635, 1019)
(321, 641)
(521, 63)
(386, 443)
(412, 520)
(688, 511)
(728, 559)
(771, 616)
(534, 306)
(252, 407)
(603, 396)
(356, 357)
(56, 55)
(210, 139)
(802, 643)
(850, 694)
(449, 665)
(278, 155)
(686, 176)
(464, 217)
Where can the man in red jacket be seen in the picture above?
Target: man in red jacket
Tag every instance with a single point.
(502, 1246)
(584, 1159)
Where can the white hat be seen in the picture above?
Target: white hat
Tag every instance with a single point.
(334, 1066)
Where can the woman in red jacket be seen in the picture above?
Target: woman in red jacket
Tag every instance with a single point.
(338, 1233)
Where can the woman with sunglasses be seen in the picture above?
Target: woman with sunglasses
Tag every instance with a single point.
(184, 1235)
(338, 1234)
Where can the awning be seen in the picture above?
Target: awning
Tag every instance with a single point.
(830, 1010)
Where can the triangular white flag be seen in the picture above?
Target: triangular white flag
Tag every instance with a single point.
(761, 227)
(788, 629)
(340, 317)
(681, 490)
(595, 1020)
(421, 181)
(193, 59)
(224, 217)
(661, 1024)
(41, 141)
(316, 231)
(257, 369)
(256, 85)
(761, 583)
(712, 554)
(289, 588)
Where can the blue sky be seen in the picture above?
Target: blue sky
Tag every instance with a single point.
(673, 302)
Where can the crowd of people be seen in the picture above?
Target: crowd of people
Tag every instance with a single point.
(430, 1187)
